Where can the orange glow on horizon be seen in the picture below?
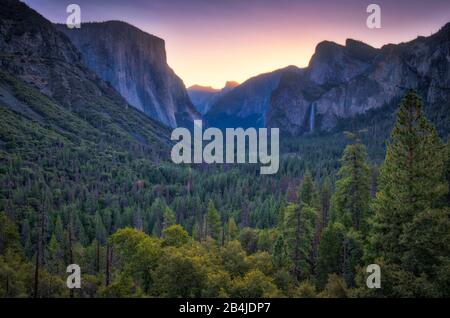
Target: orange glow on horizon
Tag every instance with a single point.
(248, 54)
(211, 42)
(239, 58)
(239, 66)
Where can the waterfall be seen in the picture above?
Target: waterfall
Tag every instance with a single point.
(311, 119)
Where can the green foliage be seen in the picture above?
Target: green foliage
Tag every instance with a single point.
(175, 235)
(261, 261)
(330, 250)
(307, 193)
(15, 275)
(179, 275)
(350, 203)
(9, 236)
(218, 284)
(168, 218)
(90, 190)
(232, 229)
(122, 287)
(396, 283)
(212, 221)
(409, 226)
(138, 254)
(234, 259)
(305, 290)
(335, 287)
(279, 254)
(249, 240)
(253, 285)
(298, 236)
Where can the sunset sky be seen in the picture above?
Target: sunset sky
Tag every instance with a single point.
(211, 41)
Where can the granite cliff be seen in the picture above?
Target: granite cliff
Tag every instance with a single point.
(345, 81)
(135, 64)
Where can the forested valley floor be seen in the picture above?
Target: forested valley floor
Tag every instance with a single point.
(140, 226)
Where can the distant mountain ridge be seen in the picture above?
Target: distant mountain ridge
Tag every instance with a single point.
(340, 82)
(134, 62)
(344, 81)
(204, 97)
(245, 105)
(201, 88)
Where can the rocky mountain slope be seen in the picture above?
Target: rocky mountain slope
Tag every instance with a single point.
(247, 104)
(44, 83)
(344, 81)
(134, 62)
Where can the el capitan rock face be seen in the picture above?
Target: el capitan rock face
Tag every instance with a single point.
(134, 62)
(35, 52)
(344, 81)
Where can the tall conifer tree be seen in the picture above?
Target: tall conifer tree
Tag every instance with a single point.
(408, 230)
(351, 200)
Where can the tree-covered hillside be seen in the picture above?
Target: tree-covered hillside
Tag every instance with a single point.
(139, 226)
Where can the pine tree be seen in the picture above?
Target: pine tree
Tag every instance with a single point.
(350, 203)
(340, 252)
(308, 199)
(411, 184)
(447, 173)
(212, 223)
(196, 232)
(279, 253)
(330, 251)
(325, 195)
(168, 218)
(54, 256)
(100, 231)
(232, 230)
(307, 193)
(298, 235)
(157, 212)
(59, 230)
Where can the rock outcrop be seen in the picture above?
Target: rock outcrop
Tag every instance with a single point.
(34, 51)
(344, 81)
(134, 62)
